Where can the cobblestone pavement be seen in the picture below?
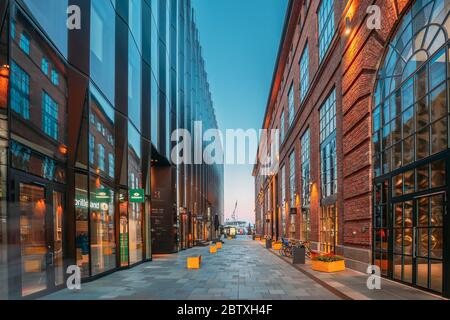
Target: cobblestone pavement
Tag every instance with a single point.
(242, 270)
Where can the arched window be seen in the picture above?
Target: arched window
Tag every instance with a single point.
(410, 114)
(410, 143)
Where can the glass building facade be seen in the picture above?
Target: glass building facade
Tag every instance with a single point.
(86, 177)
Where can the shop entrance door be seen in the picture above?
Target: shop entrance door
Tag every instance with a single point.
(40, 214)
(419, 242)
(328, 229)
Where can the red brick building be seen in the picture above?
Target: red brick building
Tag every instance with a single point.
(360, 97)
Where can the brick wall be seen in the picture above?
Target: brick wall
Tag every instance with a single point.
(350, 67)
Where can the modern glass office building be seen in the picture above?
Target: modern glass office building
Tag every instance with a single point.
(86, 116)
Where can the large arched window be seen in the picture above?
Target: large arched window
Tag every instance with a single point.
(410, 143)
(410, 108)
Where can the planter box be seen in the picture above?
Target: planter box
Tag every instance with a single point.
(328, 266)
(277, 246)
(212, 249)
(194, 262)
(219, 245)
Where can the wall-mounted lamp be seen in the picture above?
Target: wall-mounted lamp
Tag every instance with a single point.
(348, 26)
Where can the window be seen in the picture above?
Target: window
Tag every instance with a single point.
(410, 115)
(49, 116)
(306, 169)
(282, 127)
(91, 149)
(24, 43)
(13, 29)
(291, 105)
(135, 85)
(305, 223)
(111, 165)
(44, 66)
(292, 185)
(20, 91)
(101, 157)
(102, 47)
(304, 73)
(101, 133)
(283, 201)
(328, 146)
(326, 26)
(55, 78)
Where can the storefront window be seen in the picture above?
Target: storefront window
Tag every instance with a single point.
(135, 210)
(102, 55)
(82, 223)
(101, 135)
(102, 230)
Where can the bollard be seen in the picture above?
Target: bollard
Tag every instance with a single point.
(194, 262)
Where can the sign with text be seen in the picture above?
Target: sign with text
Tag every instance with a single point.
(103, 195)
(137, 196)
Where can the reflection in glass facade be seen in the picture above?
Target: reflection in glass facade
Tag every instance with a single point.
(102, 48)
(410, 144)
(88, 122)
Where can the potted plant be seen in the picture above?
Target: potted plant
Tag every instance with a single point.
(328, 263)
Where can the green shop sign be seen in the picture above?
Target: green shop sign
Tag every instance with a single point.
(137, 196)
(103, 195)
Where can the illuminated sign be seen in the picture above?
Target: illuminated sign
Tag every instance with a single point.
(137, 196)
(103, 195)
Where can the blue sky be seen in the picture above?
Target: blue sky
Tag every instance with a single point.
(240, 40)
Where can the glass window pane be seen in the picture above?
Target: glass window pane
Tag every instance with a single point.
(437, 211)
(101, 135)
(421, 83)
(423, 140)
(82, 224)
(422, 273)
(102, 228)
(437, 69)
(439, 134)
(102, 57)
(436, 275)
(438, 174)
(422, 113)
(439, 103)
(52, 17)
(134, 85)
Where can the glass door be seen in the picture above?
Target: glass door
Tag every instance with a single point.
(418, 241)
(428, 241)
(34, 247)
(41, 216)
(328, 225)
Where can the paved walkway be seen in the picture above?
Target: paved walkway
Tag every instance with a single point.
(242, 270)
(353, 285)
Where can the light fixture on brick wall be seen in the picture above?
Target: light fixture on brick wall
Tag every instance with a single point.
(348, 26)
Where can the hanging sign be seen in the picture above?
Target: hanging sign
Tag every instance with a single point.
(137, 196)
